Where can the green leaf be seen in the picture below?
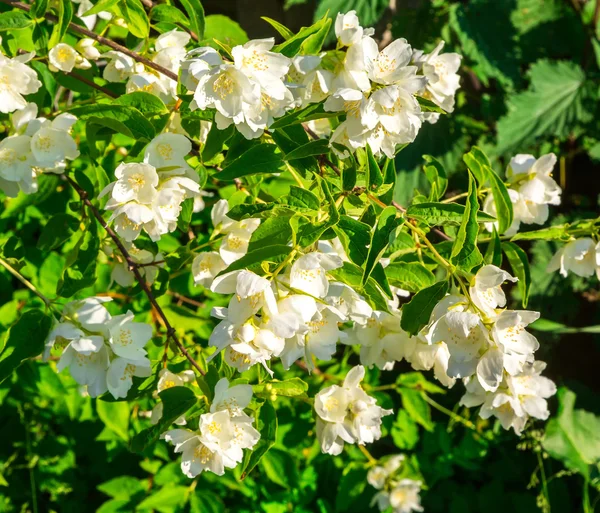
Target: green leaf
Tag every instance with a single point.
(405, 432)
(416, 313)
(267, 426)
(115, 416)
(272, 231)
(65, 13)
(263, 158)
(573, 436)
(224, 29)
(504, 208)
(308, 113)
(121, 488)
(280, 468)
(135, 15)
(478, 163)
(416, 406)
(24, 340)
(436, 214)
(485, 38)
(313, 44)
(351, 274)
(386, 225)
(102, 5)
(185, 216)
(293, 387)
(195, 12)
(14, 20)
(215, 140)
(411, 276)
(285, 32)
(554, 104)
(493, 253)
(254, 258)
(311, 232)
(144, 102)
(318, 147)
(120, 118)
(57, 231)
(176, 402)
(169, 14)
(559, 232)
(520, 266)
(204, 501)
(436, 175)
(292, 46)
(465, 253)
(165, 500)
(38, 8)
(303, 198)
(79, 271)
(374, 176)
(417, 381)
(428, 106)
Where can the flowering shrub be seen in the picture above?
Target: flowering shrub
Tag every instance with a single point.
(262, 177)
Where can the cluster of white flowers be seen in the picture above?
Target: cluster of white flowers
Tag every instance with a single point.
(222, 433)
(39, 145)
(64, 57)
(291, 315)
(102, 352)
(169, 53)
(579, 256)
(234, 244)
(401, 494)
(148, 195)
(377, 90)
(532, 190)
(347, 414)
(374, 90)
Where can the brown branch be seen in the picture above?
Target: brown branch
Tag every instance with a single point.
(322, 157)
(91, 83)
(102, 40)
(134, 268)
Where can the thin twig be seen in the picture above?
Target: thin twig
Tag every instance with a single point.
(102, 40)
(322, 157)
(93, 84)
(134, 268)
(26, 282)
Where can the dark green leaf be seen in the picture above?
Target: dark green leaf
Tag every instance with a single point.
(417, 312)
(120, 118)
(478, 163)
(411, 276)
(436, 214)
(13, 20)
(504, 208)
(253, 259)
(520, 266)
(169, 14)
(318, 147)
(386, 225)
(195, 12)
(267, 426)
(58, 230)
(65, 13)
(25, 340)
(465, 253)
(263, 158)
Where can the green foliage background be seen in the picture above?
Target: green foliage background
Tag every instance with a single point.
(530, 82)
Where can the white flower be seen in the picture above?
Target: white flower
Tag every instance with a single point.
(150, 83)
(125, 278)
(87, 49)
(90, 313)
(235, 244)
(64, 57)
(347, 414)
(354, 67)
(119, 377)
(87, 368)
(119, 67)
(519, 212)
(382, 341)
(405, 497)
(52, 143)
(440, 70)
(130, 218)
(580, 256)
(517, 344)
(128, 338)
(168, 150)
(16, 160)
(16, 80)
(172, 39)
(347, 28)
(308, 82)
(516, 399)
(206, 266)
(535, 185)
(197, 456)
(378, 475)
(391, 65)
(347, 301)
(233, 399)
(258, 63)
(251, 293)
(486, 289)
(168, 379)
(135, 181)
(309, 273)
(359, 109)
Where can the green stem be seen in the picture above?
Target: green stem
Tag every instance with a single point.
(30, 465)
(295, 175)
(450, 413)
(544, 481)
(27, 283)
